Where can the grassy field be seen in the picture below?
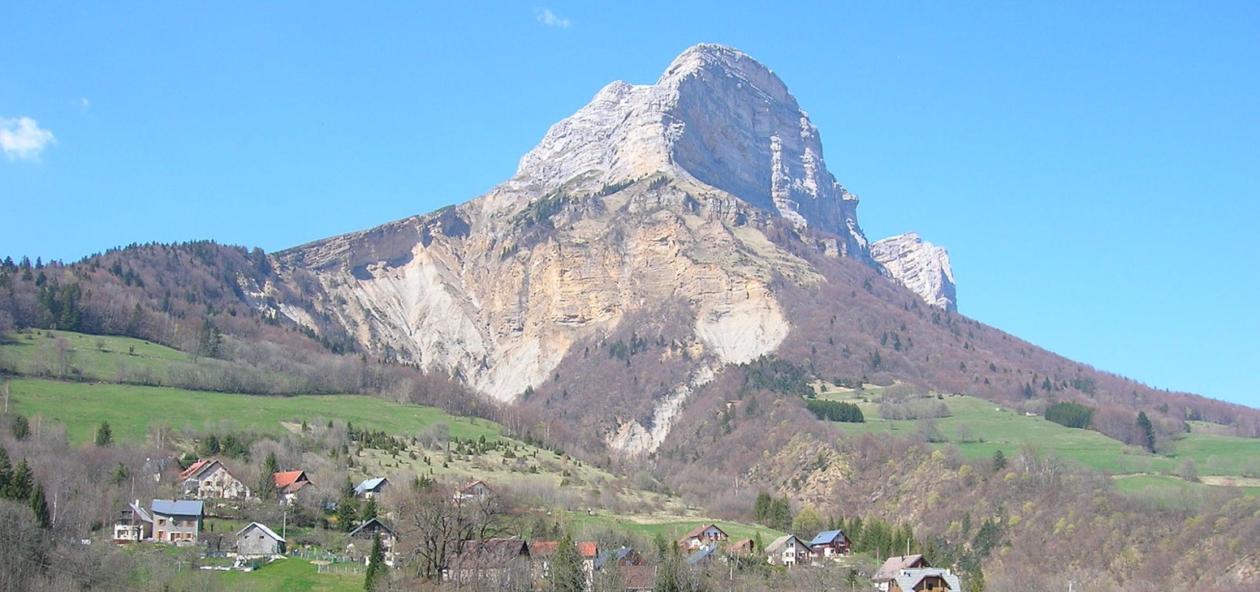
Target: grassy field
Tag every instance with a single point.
(290, 575)
(979, 428)
(673, 527)
(100, 358)
(133, 410)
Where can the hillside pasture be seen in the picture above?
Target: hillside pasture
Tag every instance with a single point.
(132, 411)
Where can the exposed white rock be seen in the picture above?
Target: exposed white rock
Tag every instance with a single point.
(920, 266)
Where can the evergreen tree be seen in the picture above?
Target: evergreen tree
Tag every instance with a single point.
(267, 478)
(347, 513)
(20, 427)
(20, 483)
(6, 472)
(1147, 431)
(667, 575)
(369, 510)
(376, 564)
(566, 573)
(104, 436)
(39, 506)
(999, 461)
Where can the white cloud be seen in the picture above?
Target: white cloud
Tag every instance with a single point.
(546, 17)
(84, 104)
(23, 139)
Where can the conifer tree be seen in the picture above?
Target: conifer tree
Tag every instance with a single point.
(39, 505)
(267, 478)
(566, 573)
(1146, 431)
(104, 436)
(20, 483)
(376, 564)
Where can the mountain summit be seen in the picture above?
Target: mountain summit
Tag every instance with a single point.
(688, 205)
(717, 116)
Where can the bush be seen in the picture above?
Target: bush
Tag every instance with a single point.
(1072, 415)
(835, 411)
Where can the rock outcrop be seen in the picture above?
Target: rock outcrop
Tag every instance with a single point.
(920, 266)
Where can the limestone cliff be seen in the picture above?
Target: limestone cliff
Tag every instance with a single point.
(920, 266)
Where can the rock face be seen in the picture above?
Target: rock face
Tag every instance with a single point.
(920, 266)
(649, 194)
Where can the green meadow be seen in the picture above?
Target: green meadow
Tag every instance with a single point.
(980, 428)
(132, 411)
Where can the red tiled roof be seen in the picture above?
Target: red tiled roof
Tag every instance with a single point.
(699, 531)
(287, 478)
(588, 549)
(194, 468)
(543, 548)
(473, 484)
(638, 577)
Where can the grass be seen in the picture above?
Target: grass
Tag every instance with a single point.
(290, 575)
(133, 410)
(104, 358)
(671, 526)
(979, 428)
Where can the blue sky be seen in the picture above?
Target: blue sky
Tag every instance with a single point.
(1093, 170)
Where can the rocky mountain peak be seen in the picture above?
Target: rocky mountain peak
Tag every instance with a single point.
(716, 115)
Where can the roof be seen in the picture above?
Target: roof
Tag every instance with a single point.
(907, 579)
(177, 507)
(587, 549)
(372, 484)
(142, 515)
(826, 537)
(287, 478)
(701, 555)
(294, 487)
(778, 544)
(365, 525)
(262, 527)
(616, 556)
(899, 563)
(489, 553)
(474, 484)
(543, 548)
(638, 577)
(743, 546)
(195, 468)
(699, 530)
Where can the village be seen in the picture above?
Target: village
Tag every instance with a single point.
(492, 562)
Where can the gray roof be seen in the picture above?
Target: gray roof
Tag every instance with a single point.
(369, 522)
(702, 554)
(372, 484)
(908, 578)
(177, 507)
(262, 527)
(139, 512)
(778, 544)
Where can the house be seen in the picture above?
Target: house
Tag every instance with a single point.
(371, 488)
(133, 524)
(704, 554)
(489, 563)
(207, 479)
(289, 483)
(703, 536)
(743, 548)
(256, 540)
(922, 579)
(831, 543)
(788, 549)
(884, 576)
(176, 521)
(619, 557)
(638, 578)
(362, 539)
(541, 553)
(476, 491)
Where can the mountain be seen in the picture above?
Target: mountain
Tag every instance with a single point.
(694, 218)
(666, 246)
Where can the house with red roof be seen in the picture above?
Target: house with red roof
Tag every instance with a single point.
(703, 536)
(211, 479)
(289, 483)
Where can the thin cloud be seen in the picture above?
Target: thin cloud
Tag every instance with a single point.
(84, 104)
(23, 139)
(551, 19)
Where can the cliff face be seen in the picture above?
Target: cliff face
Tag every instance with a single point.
(651, 193)
(920, 266)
